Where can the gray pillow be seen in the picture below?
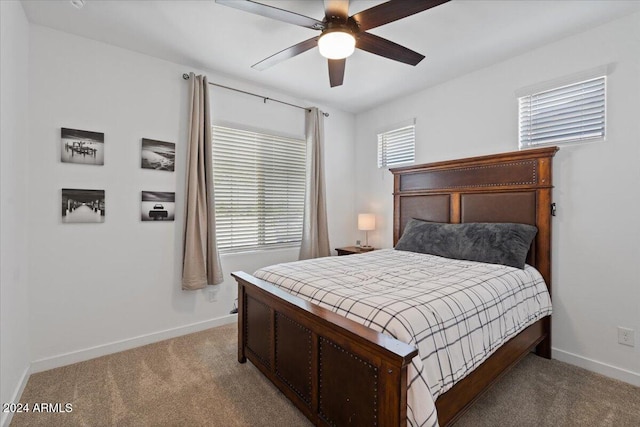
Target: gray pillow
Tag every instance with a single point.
(493, 243)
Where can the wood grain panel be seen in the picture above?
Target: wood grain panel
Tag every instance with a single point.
(519, 207)
(523, 172)
(427, 208)
(352, 402)
(293, 356)
(258, 330)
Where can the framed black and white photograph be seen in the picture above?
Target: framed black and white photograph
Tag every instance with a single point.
(81, 146)
(158, 206)
(158, 155)
(80, 206)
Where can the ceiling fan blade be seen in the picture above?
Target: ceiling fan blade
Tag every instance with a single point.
(336, 71)
(289, 52)
(273, 13)
(383, 47)
(336, 8)
(392, 11)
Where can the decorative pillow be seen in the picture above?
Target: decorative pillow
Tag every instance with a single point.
(493, 243)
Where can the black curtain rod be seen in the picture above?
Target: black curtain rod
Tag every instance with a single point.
(264, 98)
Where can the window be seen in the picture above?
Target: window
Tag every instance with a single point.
(259, 185)
(397, 146)
(571, 113)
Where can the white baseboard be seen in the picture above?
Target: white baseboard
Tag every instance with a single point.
(8, 416)
(597, 367)
(115, 347)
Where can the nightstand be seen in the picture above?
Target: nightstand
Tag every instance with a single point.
(351, 250)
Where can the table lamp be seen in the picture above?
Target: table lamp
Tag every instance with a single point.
(366, 223)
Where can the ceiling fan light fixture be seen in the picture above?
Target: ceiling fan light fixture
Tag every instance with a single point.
(336, 44)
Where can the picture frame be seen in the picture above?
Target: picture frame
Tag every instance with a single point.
(158, 206)
(157, 155)
(81, 147)
(83, 206)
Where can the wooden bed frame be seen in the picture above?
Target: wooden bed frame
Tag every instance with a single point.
(338, 372)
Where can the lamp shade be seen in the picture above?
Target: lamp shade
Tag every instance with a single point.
(366, 222)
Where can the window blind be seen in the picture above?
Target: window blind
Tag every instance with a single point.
(259, 186)
(397, 146)
(571, 113)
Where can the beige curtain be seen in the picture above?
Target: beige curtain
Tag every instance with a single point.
(315, 234)
(201, 263)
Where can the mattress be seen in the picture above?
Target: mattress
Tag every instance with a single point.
(455, 312)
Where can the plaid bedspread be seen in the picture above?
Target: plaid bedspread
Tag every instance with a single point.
(457, 313)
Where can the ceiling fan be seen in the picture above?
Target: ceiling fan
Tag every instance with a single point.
(341, 33)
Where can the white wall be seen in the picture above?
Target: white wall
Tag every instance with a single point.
(596, 235)
(97, 288)
(14, 320)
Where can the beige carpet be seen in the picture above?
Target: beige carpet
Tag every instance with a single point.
(195, 380)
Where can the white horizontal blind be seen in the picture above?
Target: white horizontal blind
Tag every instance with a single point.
(259, 185)
(397, 146)
(571, 113)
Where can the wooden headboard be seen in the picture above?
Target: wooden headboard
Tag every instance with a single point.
(508, 187)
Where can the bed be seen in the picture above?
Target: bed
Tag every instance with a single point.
(338, 371)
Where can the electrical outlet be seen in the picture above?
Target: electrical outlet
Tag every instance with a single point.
(626, 336)
(213, 295)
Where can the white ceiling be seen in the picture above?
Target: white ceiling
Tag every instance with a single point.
(456, 38)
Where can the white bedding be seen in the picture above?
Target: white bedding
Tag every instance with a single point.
(457, 313)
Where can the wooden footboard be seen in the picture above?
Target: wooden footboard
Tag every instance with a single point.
(336, 371)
